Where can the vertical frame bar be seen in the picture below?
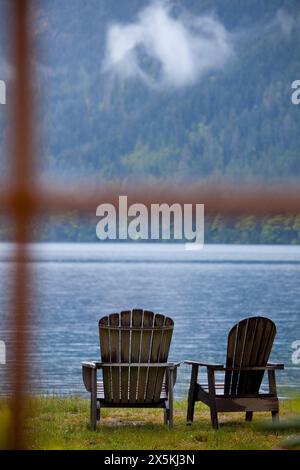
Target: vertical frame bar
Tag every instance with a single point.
(21, 147)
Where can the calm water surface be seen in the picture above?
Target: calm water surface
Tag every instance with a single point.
(205, 292)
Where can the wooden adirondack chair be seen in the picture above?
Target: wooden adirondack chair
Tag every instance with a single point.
(249, 345)
(134, 349)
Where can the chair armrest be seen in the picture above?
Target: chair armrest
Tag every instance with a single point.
(205, 364)
(271, 366)
(173, 365)
(92, 364)
(254, 368)
(89, 375)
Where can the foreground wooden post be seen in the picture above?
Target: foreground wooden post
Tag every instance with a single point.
(21, 147)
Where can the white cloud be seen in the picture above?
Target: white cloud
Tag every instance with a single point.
(184, 47)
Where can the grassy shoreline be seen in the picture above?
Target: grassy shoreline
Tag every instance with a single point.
(63, 423)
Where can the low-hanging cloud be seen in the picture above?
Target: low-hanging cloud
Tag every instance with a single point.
(181, 49)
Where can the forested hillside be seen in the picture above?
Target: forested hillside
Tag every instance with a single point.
(225, 113)
(235, 121)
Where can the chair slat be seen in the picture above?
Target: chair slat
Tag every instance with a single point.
(137, 318)
(134, 337)
(229, 360)
(266, 331)
(125, 354)
(101, 394)
(105, 354)
(114, 320)
(240, 340)
(245, 376)
(253, 380)
(148, 318)
(163, 357)
(156, 344)
(249, 344)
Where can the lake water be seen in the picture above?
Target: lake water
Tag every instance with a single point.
(205, 292)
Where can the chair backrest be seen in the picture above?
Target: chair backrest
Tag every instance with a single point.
(249, 344)
(135, 336)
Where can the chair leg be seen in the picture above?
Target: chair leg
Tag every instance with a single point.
(170, 397)
(171, 417)
(275, 416)
(214, 418)
(212, 398)
(98, 411)
(191, 408)
(191, 396)
(94, 400)
(249, 415)
(93, 415)
(166, 416)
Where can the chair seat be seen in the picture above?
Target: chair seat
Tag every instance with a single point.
(219, 389)
(100, 391)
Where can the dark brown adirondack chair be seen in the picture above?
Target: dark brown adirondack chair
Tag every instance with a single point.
(249, 345)
(134, 349)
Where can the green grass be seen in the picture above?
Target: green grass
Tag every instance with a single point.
(63, 423)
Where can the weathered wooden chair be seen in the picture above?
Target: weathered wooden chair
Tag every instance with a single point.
(134, 349)
(249, 345)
